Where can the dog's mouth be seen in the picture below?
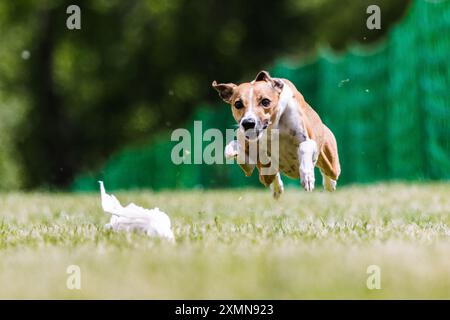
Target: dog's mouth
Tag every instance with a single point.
(256, 133)
(253, 134)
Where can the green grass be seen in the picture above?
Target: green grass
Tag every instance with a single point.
(233, 244)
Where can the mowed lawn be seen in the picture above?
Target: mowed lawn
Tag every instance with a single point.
(233, 244)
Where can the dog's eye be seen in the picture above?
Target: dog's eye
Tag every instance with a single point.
(238, 104)
(265, 102)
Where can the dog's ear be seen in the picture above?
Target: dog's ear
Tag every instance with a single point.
(263, 75)
(225, 90)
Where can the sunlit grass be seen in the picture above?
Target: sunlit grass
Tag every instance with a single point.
(233, 244)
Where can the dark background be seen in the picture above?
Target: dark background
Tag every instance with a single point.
(70, 99)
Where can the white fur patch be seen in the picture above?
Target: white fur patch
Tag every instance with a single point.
(284, 101)
(288, 118)
(249, 114)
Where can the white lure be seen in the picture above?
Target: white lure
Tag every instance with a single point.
(134, 218)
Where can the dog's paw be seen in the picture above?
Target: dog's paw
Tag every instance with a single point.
(277, 187)
(329, 184)
(277, 191)
(307, 179)
(231, 150)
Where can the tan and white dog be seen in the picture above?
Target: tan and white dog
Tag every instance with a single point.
(269, 103)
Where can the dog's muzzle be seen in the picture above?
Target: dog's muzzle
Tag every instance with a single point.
(253, 129)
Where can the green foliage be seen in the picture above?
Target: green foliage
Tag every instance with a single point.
(388, 106)
(14, 98)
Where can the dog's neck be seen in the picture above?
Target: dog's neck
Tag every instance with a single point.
(285, 101)
(286, 104)
(288, 116)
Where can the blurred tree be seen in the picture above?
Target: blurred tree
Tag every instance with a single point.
(140, 66)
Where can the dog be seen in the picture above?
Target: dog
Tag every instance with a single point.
(268, 103)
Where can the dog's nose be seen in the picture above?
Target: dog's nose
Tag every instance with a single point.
(248, 123)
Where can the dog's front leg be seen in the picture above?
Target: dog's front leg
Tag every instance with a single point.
(308, 155)
(232, 151)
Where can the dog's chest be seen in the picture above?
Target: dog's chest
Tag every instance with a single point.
(288, 155)
(291, 134)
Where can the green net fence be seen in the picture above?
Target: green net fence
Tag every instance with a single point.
(389, 107)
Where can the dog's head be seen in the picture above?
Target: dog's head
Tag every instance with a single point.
(254, 104)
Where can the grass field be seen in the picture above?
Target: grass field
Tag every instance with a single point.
(233, 244)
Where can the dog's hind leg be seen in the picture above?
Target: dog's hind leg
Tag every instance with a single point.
(328, 183)
(328, 161)
(247, 168)
(274, 182)
(270, 178)
(277, 186)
